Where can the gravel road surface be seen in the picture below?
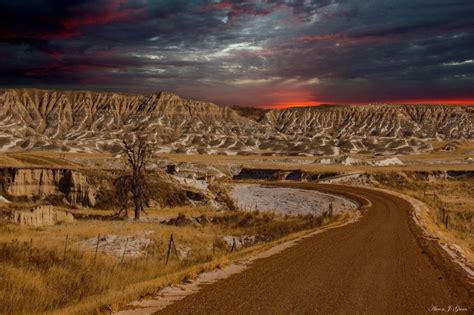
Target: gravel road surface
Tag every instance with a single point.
(379, 265)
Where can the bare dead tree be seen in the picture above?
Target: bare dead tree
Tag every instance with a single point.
(134, 183)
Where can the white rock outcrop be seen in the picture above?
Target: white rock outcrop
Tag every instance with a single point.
(40, 216)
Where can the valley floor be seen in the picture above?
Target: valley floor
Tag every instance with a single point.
(58, 268)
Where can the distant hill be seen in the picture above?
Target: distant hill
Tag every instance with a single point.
(34, 119)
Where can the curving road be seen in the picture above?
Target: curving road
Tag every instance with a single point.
(379, 265)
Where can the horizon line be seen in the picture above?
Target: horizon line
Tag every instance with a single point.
(277, 105)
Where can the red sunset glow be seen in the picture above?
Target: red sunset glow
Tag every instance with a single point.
(308, 103)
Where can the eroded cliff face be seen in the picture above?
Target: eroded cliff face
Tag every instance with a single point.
(87, 121)
(36, 184)
(38, 216)
(73, 188)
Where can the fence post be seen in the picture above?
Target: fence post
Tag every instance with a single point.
(125, 250)
(447, 221)
(176, 251)
(96, 248)
(172, 242)
(169, 248)
(233, 245)
(65, 247)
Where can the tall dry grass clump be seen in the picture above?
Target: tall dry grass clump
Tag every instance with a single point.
(36, 280)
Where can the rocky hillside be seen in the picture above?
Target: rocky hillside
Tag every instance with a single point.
(32, 119)
(82, 188)
(72, 187)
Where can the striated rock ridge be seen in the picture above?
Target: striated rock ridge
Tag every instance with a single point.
(421, 121)
(33, 119)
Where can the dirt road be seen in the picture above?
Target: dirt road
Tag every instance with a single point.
(381, 265)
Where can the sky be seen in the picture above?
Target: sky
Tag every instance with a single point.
(264, 53)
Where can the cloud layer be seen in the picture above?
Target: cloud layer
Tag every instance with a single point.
(257, 53)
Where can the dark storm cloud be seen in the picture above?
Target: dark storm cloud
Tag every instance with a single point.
(252, 52)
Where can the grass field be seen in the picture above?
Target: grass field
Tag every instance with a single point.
(306, 163)
(45, 159)
(432, 161)
(48, 269)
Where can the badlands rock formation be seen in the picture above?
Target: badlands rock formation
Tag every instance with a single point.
(32, 119)
(38, 183)
(39, 216)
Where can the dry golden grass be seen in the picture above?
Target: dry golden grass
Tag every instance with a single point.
(37, 278)
(462, 147)
(48, 159)
(444, 160)
(20, 160)
(40, 280)
(452, 198)
(418, 162)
